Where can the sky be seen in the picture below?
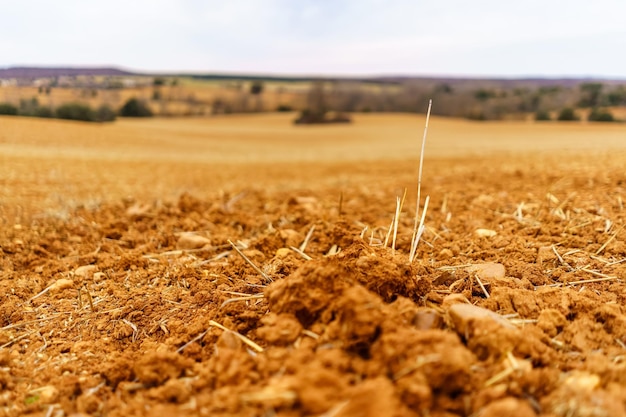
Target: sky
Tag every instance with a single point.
(484, 38)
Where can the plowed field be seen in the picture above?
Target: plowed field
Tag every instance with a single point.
(243, 266)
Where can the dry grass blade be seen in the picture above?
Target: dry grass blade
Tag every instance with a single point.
(17, 339)
(389, 230)
(307, 238)
(596, 273)
(613, 236)
(25, 323)
(300, 252)
(252, 264)
(270, 394)
(241, 337)
(396, 220)
(42, 292)
(561, 259)
(420, 230)
(419, 175)
(585, 281)
(482, 287)
(419, 362)
(244, 298)
(195, 339)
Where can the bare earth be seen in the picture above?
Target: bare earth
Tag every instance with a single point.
(123, 296)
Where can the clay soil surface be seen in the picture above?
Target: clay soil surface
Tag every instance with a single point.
(237, 266)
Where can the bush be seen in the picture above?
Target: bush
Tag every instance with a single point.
(568, 114)
(76, 111)
(284, 108)
(105, 114)
(542, 115)
(8, 109)
(600, 115)
(309, 117)
(45, 112)
(28, 107)
(135, 108)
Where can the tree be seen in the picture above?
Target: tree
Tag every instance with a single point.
(484, 94)
(317, 111)
(600, 115)
(8, 109)
(256, 88)
(542, 115)
(591, 94)
(568, 114)
(76, 111)
(105, 114)
(135, 108)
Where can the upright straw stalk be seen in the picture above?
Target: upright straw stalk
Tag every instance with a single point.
(418, 227)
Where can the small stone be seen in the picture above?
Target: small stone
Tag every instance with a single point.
(190, 240)
(305, 200)
(427, 320)
(99, 276)
(85, 270)
(509, 406)
(545, 254)
(580, 381)
(485, 233)
(47, 394)
(461, 314)
(138, 211)
(489, 270)
(445, 254)
(283, 252)
(61, 284)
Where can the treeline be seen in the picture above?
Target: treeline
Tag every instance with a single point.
(471, 99)
(76, 111)
(594, 101)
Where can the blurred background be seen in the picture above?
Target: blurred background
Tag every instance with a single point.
(484, 60)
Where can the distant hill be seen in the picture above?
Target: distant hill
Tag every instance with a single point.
(45, 72)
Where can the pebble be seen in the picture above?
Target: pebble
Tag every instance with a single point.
(283, 252)
(61, 284)
(489, 270)
(137, 211)
(48, 394)
(581, 381)
(545, 253)
(85, 270)
(427, 320)
(461, 314)
(190, 240)
(509, 406)
(485, 233)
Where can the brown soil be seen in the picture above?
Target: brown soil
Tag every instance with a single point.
(141, 306)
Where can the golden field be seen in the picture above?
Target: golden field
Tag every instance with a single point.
(48, 164)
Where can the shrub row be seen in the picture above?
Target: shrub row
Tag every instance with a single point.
(569, 114)
(76, 111)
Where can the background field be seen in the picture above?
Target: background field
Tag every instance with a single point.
(48, 165)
